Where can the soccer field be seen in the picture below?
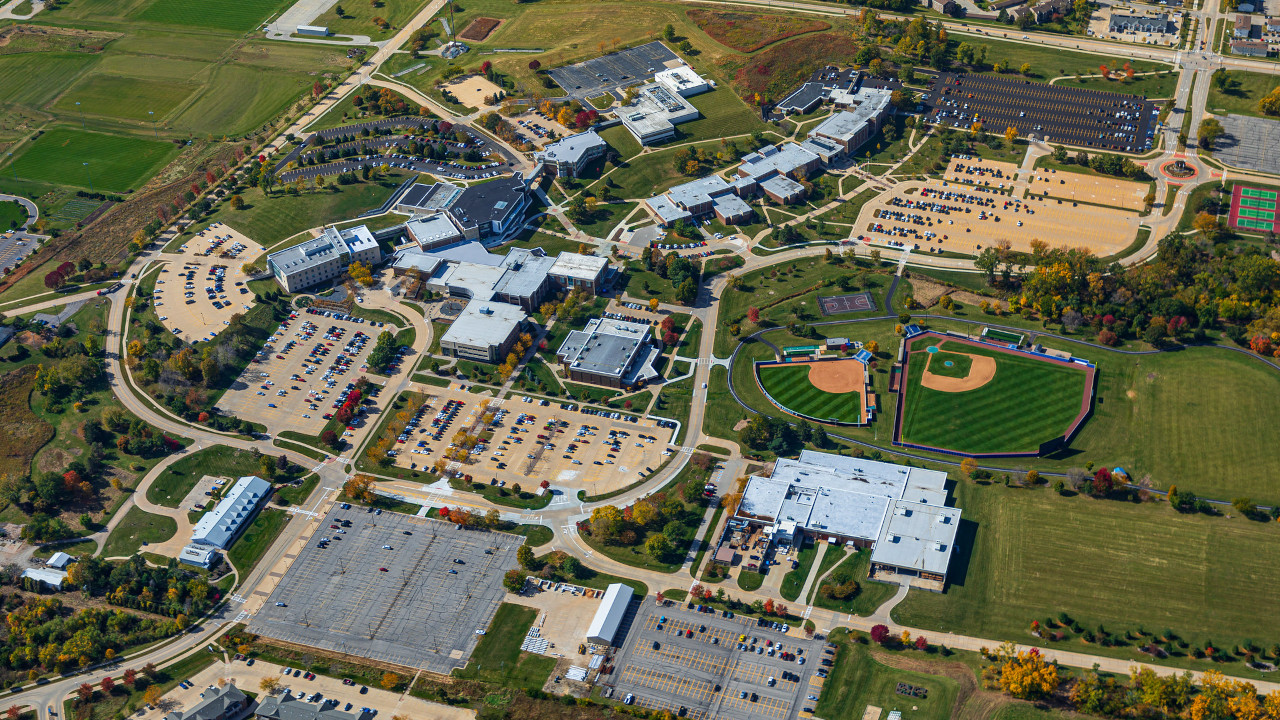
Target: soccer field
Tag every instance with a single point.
(115, 163)
(1028, 402)
(789, 385)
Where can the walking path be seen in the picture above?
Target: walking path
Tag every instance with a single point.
(813, 570)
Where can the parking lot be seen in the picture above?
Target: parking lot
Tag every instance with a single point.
(935, 216)
(1249, 142)
(14, 246)
(397, 588)
(712, 666)
(1053, 113)
(198, 292)
(615, 71)
(302, 371)
(535, 128)
(1096, 189)
(573, 449)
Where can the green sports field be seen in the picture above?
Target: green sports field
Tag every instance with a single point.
(789, 385)
(949, 364)
(239, 16)
(116, 163)
(998, 417)
(125, 97)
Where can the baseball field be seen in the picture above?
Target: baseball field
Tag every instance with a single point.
(976, 399)
(831, 390)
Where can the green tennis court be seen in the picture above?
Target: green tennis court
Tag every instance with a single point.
(1259, 214)
(1263, 225)
(1256, 193)
(1256, 203)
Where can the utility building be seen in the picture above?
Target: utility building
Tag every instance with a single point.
(221, 527)
(604, 626)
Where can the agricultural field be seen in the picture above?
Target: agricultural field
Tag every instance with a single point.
(240, 16)
(116, 163)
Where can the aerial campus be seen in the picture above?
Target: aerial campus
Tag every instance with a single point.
(865, 360)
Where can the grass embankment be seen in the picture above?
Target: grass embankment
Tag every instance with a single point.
(497, 658)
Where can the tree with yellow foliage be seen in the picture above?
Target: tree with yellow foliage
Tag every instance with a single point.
(359, 487)
(1025, 674)
(1010, 133)
(389, 680)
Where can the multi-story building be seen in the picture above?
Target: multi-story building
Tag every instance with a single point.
(613, 353)
(568, 156)
(323, 258)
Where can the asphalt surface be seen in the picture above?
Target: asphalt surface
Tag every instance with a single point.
(613, 72)
(411, 604)
(1055, 113)
(1249, 142)
(695, 662)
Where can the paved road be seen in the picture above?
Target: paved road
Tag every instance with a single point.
(7, 10)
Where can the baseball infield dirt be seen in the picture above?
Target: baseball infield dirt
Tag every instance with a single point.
(837, 377)
(981, 371)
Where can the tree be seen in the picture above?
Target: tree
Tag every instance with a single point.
(389, 680)
(658, 546)
(269, 685)
(108, 684)
(513, 581)
(1210, 130)
(525, 557)
(653, 304)
(84, 692)
(1025, 69)
(1270, 103)
(921, 643)
(1206, 225)
(359, 487)
(237, 202)
(1026, 674)
(753, 314)
(880, 634)
(968, 467)
(1010, 134)
(152, 694)
(130, 677)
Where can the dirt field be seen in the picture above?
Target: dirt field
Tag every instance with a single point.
(837, 377)
(1088, 188)
(471, 90)
(480, 28)
(1056, 222)
(185, 304)
(301, 390)
(981, 372)
(595, 471)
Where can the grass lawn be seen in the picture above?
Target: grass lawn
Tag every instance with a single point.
(551, 244)
(497, 658)
(12, 215)
(269, 220)
(793, 581)
(240, 16)
(858, 680)
(1048, 62)
(1160, 85)
(789, 385)
(115, 163)
(219, 460)
(648, 175)
(1031, 554)
(1244, 90)
(833, 556)
(136, 528)
(984, 420)
(601, 220)
(124, 97)
(723, 115)
(357, 18)
(722, 412)
(749, 581)
(870, 596)
(255, 540)
(71, 548)
(674, 401)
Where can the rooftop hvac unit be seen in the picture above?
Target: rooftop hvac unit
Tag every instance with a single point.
(901, 511)
(937, 545)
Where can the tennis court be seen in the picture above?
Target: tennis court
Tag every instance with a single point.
(1254, 209)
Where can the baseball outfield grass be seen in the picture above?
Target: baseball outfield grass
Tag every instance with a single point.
(998, 417)
(790, 386)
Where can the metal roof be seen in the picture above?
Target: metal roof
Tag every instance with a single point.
(610, 613)
(218, 527)
(484, 324)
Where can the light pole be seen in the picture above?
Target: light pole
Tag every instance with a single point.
(86, 172)
(81, 115)
(154, 130)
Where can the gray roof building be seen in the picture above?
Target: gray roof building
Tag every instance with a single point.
(1136, 24)
(710, 194)
(610, 352)
(570, 154)
(608, 617)
(433, 231)
(220, 527)
(917, 537)
(216, 703)
(52, 578)
(489, 209)
(290, 707)
(323, 258)
(850, 128)
(804, 99)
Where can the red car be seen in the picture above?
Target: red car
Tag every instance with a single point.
(382, 569)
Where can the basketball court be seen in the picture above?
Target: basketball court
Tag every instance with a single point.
(1254, 209)
(836, 304)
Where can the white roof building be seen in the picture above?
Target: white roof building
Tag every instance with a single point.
(59, 560)
(198, 555)
(52, 578)
(861, 502)
(682, 80)
(221, 526)
(604, 626)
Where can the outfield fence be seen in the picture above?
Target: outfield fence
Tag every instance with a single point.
(868, 411)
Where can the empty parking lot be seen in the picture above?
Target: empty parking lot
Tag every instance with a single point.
(693, 661)
(396, 588)
(614, 71)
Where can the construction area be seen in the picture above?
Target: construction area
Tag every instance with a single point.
(396, 588)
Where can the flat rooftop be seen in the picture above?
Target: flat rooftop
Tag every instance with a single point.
(573, 148)
(582, 267)
(918, 536)
(484, 324)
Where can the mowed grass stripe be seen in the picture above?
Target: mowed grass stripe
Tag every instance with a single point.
(116, 163)
(125, 97)
(240, 16)
(790, 386)
(995, 417)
